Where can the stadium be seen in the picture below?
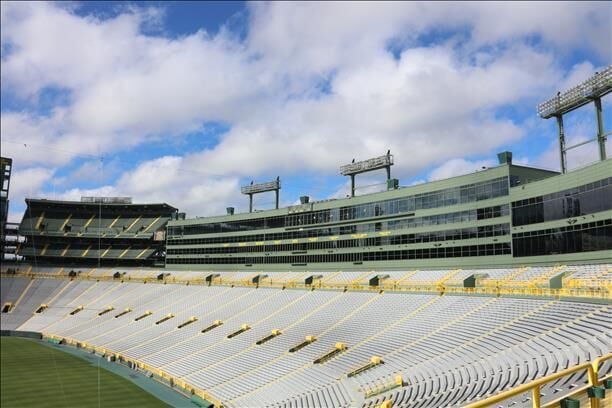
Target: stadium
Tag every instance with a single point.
(486, 289)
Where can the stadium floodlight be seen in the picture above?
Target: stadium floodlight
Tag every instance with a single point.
(251, 189)
(591, 90)
(261, 187)
(597, 86)
(375, 163)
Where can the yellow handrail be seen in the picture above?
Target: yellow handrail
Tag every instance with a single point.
(160, 373)
(596, 364)
(534, 386)
(508, 289)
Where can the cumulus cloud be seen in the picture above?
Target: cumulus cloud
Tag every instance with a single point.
(310, 86)
(26, 183)
(166, 180)
(458, 167)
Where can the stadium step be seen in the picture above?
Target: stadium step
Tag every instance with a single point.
(142, 316)
(77, 310)
(400, 321)
(39, 221)
(248, 349)
(74, 301)
(439, 329)
(407, 276)
(150, 225)
(58, 294)
(397, 382)
(125, 251)
(242, 329)
(132, 224)
(142, 253)
(338, 348)
(8, 306)
(275, 332)
(374, 361)
(192, 319)
(105, 311)
(112, 224)
(298, 347)
(126, 311)
(88, 223)
(330, 277)
(41, 308)
(66, 221)
(216, 324)
(86, 251)
(211, 312)
(165, 318)
(23, 294)
(305, 366)
(448, 276)
(516, 274)
(297, 322)
(106, 251)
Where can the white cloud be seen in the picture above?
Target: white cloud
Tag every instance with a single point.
(166, 180)
(310, 87)
(458, 167)
(25, 183)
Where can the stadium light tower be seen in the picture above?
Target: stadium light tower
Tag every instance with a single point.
(381, 162)
(261, 188)
(591, 90)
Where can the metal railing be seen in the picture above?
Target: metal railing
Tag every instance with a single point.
(508, 288)
(187, 387)
(535, 386)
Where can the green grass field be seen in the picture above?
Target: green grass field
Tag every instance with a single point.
(34, 375)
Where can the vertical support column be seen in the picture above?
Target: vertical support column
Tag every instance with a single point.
(276, 191)
(388, 173)
(352, 185)
(251, 203)
(601, 138)
(535, 397)
(562, 143)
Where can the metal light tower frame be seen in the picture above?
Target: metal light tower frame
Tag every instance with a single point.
(591, 90)
(252, 189)
(376, 163)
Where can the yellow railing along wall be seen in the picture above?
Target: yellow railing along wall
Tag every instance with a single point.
(592, 369)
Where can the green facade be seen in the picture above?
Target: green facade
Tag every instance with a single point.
(464, 221)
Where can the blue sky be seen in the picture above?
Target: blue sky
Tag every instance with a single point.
(183, 102)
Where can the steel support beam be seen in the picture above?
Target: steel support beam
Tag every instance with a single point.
(562, 148)
(601, 136)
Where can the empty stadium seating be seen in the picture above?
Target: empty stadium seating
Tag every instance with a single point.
(447, 350)
(85, 233)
